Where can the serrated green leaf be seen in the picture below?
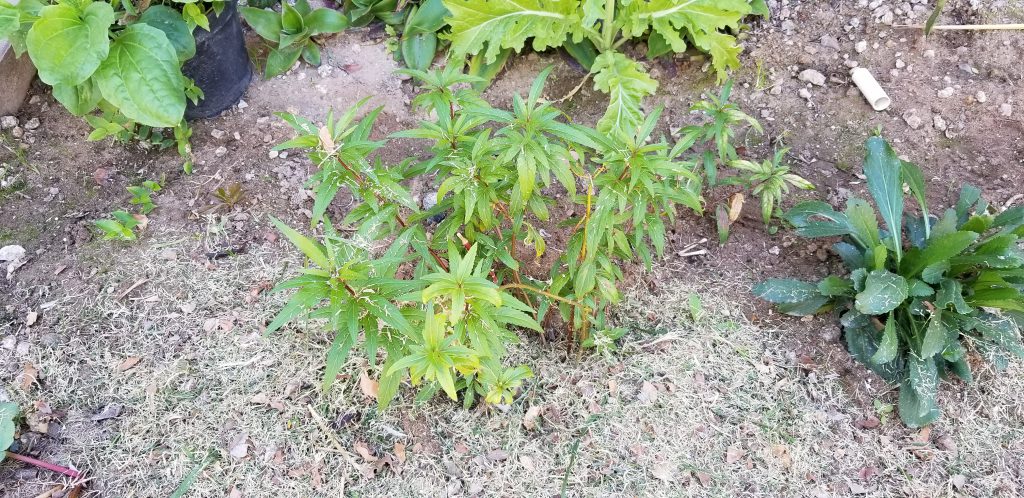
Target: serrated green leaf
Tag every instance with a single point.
(701, 20)
(491, 26)
(626, 83)
(780, 291)
(940, 248)
(935, 336)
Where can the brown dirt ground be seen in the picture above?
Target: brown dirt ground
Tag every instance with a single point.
(85, 330)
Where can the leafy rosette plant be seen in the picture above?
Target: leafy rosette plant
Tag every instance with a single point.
(926, 294)
(292, 31)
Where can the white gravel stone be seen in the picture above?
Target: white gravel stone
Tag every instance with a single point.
(813, 77)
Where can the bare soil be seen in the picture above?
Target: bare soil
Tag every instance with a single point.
(739, 401)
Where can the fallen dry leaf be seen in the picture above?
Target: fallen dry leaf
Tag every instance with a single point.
(531, 416)
(364, 451)
(400, 452)
(461, 448)
(368, 385)
(211, 324)
(662, 471)
(781, 453)
(704, 478)
(867, 472)
(110, 411)
(31, 318)
(497, 455)
(101, 176)
(734, 454)
(234, 493)
(648, 393)
(29, 376)
(239, 446)
(735, 206)
(260, 399)
(128, 363)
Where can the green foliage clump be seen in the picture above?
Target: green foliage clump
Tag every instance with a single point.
(593, 31)
(442, 288)
(925, 294)
(292, 31)
(8, 412)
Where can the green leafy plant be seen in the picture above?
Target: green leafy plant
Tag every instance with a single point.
(228, 198)
(770, 181)
(593, 32)
(114, 57)
(925, 295)
(363, 12)
(446, 286)
(122, 227)
(142, 195)
(292, 31)
(8, 412)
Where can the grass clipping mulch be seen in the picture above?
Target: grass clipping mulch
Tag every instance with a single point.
(174, 377)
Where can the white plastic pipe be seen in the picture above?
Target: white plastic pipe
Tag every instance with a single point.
(870, 88)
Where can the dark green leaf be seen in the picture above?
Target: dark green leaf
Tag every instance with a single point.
(883, 292)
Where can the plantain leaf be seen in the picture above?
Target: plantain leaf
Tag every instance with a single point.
(884, 172)
(883, 292)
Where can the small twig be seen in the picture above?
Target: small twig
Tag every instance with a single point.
(131, 288)
(964, 27)
(575, 90)
(349, 457)
(43, 465)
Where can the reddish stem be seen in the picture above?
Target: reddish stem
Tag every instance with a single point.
(44, 465)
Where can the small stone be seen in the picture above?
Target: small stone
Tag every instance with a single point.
(221, 151)
(8, 122)
(830, 42)
(813, 77)
(169, 254)
(273, 154)
(32, 124)
(900, 64)
(1006, 110)
(17, 132)
(774, 250)
(939, 123)
(861, 47)
(929, 54)
(804, 93)
(218, 134)
(242, 104)
(946, 93)
(912, 119)
(981, 97)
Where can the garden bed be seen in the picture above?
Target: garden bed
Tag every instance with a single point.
(141, 358)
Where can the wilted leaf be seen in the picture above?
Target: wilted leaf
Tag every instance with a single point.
(368, 386)
(400, 452)
(781, 453)
(31, 318)
(128, 363)
(110, 411)
(238, 448)
(662, 471)
(648, 393)
(29, 376)
(364, 451)
(531, 416)
(735, 206)
(734, 454)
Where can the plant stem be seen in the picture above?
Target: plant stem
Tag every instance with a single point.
(43, 465)
(543, 293)
(607, 28)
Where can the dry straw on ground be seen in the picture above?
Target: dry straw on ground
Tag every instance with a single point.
(700, 406)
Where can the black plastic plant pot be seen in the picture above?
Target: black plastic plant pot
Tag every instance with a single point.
(221, 65)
